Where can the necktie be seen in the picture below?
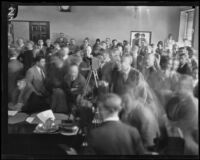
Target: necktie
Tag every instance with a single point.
(42, 74)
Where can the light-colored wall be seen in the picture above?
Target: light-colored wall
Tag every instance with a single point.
(196, 29)
(106, 21)
(21, 30)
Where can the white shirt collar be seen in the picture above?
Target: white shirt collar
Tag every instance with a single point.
(38, 68)
(116, 118)
(12, 58)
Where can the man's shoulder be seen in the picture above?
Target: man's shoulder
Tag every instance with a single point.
(32, 69)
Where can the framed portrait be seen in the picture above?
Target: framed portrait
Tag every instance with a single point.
(138, 36)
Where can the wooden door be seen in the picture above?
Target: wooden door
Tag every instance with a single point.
(39, 30)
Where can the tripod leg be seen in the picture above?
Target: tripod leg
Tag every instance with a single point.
(87, 83)
(95, 78)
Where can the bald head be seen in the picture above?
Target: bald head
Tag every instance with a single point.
(73, 72)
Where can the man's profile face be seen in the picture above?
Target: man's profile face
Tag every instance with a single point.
(73, 72)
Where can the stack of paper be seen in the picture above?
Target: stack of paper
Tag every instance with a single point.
(12, 113)
(43, 116)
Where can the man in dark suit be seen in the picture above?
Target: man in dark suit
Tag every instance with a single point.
(74, 84)
(27, 57)
(184, 67)
(15, 70)
(128, 78)
(113, 137)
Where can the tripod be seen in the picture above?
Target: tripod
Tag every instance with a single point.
(96, 78)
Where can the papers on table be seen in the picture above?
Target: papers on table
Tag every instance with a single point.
(17, 118)
(30, 119)
(12, 113)
(43, 116)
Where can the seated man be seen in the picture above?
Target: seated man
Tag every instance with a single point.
(74, 84)
(184, 67)
(113, 137)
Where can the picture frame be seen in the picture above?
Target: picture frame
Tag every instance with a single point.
(143, 35)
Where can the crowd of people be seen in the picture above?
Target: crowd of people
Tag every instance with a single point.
(146, 95)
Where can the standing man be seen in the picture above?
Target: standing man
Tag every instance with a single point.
(113, 137)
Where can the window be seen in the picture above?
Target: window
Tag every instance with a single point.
(186, 27)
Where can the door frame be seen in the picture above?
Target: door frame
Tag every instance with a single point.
(48, 25)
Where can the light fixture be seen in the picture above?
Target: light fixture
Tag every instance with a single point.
(65, 8)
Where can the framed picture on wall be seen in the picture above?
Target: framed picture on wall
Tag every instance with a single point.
(138, 36)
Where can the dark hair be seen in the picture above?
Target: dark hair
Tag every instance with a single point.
(119, 44)
(160, 43)
(38, 58)
(190, 50)
(114, 40)
(98, 40)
